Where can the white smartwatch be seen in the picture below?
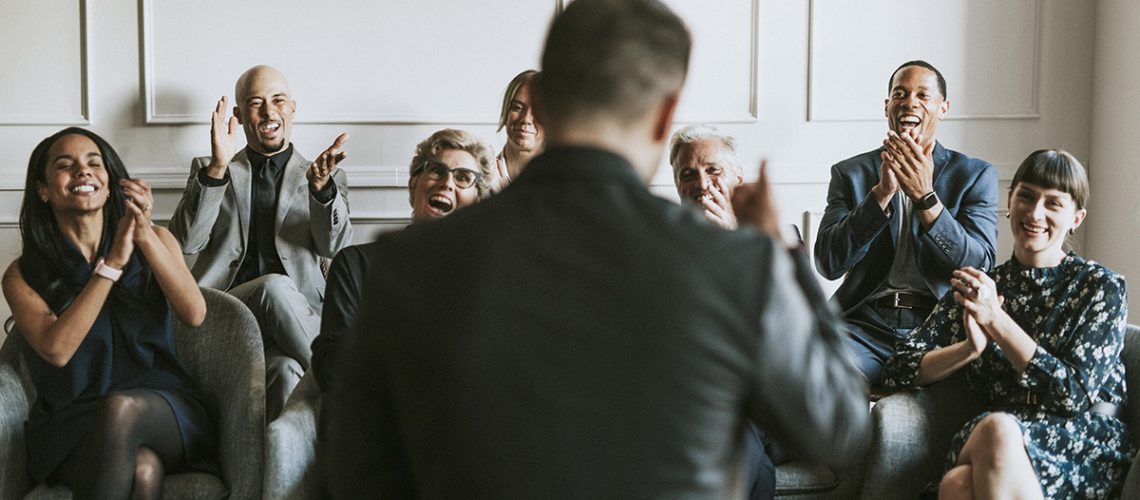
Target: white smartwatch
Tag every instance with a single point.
(102, 269)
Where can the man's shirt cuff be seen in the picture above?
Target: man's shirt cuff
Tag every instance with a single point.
(326, 194)
(205, 179)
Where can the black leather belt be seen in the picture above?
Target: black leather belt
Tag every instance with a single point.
(1030, 400)
(903, 300)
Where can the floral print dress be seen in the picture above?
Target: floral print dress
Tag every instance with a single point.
(1077, 313)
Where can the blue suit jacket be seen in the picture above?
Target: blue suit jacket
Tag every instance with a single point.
(857, 238)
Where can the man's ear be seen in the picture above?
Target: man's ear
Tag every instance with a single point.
(663, 121)
(943, 109)
(237, 114)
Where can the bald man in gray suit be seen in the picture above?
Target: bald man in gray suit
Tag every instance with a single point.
(262, 219)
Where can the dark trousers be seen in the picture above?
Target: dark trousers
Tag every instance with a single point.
(762, 458)
(873, 331)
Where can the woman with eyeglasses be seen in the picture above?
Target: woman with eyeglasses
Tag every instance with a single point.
(449, 171)
(1039, 339)
(92, 293)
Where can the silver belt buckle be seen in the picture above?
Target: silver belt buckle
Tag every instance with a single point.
(898, 302)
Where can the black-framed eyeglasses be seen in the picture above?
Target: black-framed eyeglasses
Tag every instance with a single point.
(438, 170)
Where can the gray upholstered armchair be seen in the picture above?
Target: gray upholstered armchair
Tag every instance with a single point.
(799, 480)
(291, 446)
(226, 359)
(913, 431)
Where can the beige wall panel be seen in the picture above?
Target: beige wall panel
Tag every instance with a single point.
(986, 50)
(352, 61)
(43, 61)
(721, 85)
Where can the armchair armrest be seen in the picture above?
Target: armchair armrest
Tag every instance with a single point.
(16, 396)
(912, 436)
(291, 445)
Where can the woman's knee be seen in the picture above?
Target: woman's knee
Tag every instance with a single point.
(148, 473)
(995, 438)
(119, 411)
(999, 430)
(957, 483)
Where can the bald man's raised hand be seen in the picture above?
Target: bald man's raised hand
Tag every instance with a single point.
(223, 140)
(320, 171)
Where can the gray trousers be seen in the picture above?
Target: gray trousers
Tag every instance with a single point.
(288, 327)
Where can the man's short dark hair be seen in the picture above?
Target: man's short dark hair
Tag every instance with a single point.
(921, 64)
(614, 58)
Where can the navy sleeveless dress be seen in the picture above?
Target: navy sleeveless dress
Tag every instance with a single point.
(130, 346)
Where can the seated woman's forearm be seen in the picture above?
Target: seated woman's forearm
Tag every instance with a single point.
(941, 363)
(165, 258)
(55, 339)
(1017, 345)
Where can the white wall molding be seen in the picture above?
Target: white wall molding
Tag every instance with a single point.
(821, 113)
(77, 117)
(454, 115)
(705, 82)
(396, 176)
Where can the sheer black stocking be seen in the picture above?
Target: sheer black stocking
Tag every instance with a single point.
(133, 440)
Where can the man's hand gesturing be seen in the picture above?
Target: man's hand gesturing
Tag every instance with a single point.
(223, 140)
(320, 171)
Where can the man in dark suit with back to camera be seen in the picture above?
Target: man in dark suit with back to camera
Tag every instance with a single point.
(901, 218)
(261, 219)
(576, 336)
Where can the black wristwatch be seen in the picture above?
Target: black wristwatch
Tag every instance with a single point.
(927, 202)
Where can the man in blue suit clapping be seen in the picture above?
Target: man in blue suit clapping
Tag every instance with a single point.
(901, 218)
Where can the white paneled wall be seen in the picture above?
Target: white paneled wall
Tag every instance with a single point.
(1114, 214)
(55, 70)
(801, 83)
(987, 52)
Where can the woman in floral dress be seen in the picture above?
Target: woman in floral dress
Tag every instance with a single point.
(1040, 338)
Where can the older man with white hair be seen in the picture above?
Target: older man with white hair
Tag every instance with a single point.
(706, 169)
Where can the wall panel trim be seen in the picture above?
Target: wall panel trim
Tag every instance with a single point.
(83, 117)
(149, 90)
(1032, 113)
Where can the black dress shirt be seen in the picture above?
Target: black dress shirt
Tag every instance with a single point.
(261, 255)
(261, 252)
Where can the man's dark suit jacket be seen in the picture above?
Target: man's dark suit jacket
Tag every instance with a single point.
(578, 337)
(855, 236)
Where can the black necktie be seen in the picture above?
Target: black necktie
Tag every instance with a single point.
(265, 213)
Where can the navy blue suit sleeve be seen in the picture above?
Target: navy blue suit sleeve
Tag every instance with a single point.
(848, 227)
(968, 238)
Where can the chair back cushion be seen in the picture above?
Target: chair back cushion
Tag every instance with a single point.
(1131, 359)
(17, 392)
(225, 357)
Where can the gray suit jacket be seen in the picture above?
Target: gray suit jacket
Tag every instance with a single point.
(213, 223)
